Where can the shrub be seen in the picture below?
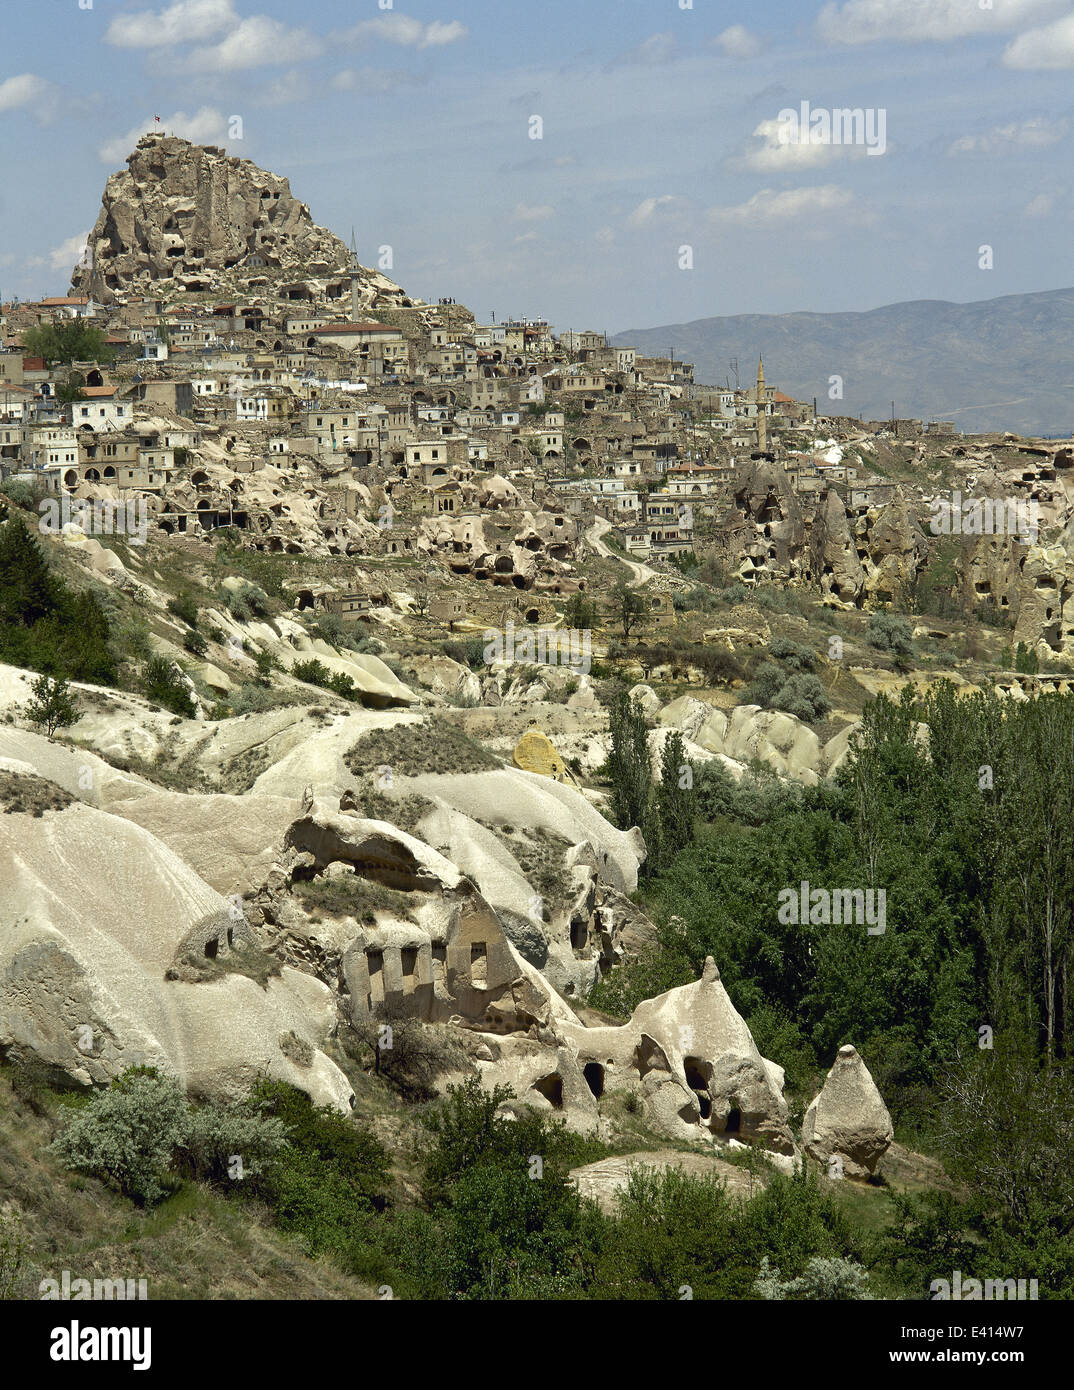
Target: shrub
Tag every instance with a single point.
(805, 698)
(196, 643)
(796, 657)
(470, 652)
(313, 672)
(142, 1132)
(329, 628)
(184, 607)
(888, 633)
(219, 1133)
(237, 606)
(128, 1135)
(255, 598)
(251, 699)
(342, 684)
(162, 685)
(20, 491)
(826, 1279)
(332, 1174)
(787, 683)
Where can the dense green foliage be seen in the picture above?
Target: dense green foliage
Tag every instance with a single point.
(141, 1134)
(161, 684)
(66, 341)
(786, 682)
(45, 625)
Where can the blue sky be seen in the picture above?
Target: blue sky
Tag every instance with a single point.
(411, 121)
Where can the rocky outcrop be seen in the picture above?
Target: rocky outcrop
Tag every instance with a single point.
(195, 218)
(848, 1121)
(690, 1056)
(833, 556)
(97, 921)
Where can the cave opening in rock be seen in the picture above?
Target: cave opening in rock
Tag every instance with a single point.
(734, 1121)
(551, 1087)
(594, 1075)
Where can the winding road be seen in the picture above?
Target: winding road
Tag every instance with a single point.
(641, 573)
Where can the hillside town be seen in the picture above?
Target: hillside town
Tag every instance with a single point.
(498, 797)
(272, 385)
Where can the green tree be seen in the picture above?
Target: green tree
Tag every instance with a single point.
(581, 612)
(627, 608)
(676, 800)
(71, 389)
(66, 341)
(629, 765)
(51, 706)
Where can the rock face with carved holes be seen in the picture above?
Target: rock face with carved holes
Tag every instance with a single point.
(847, 1126)
(201, 220)
(691, 1058)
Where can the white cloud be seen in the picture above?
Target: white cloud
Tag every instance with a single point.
(438, 33)
(186, 21)
(406, 31)
(926, 21)
(646, 210)
(68, 253)
(738, 42)
(769, 207)
(257, 42)
(206, 126)
(375, 79)
(1036, 133)
(652, 52)
(1049, 46)
(1040, 206)
(24, 90)
(526, 212)
(778, 154)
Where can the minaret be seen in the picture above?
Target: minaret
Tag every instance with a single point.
(762, 418)
(354, 269)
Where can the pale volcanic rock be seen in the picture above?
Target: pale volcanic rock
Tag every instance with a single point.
(848, 1119)
(95, 912)
(194, 217)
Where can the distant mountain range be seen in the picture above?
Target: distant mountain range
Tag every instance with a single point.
(999, 364)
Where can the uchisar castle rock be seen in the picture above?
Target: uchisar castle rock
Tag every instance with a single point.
(380, 800)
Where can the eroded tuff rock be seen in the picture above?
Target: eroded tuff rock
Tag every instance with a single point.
(692, 1058)
(97, 920)
(848, 1119)
(198, 218)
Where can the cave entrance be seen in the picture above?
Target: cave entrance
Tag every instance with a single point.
(594, 1075)
(551, 1087)
(698, 1082)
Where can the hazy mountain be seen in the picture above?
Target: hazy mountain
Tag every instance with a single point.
(998, 364)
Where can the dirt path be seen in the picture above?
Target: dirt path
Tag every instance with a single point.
(641, 573)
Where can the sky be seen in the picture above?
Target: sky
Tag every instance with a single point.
(604, 164)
